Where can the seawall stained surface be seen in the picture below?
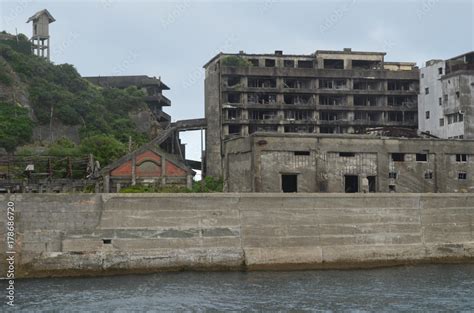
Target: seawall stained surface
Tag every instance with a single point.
(91, 234)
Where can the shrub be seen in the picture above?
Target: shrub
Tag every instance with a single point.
(210, 184)
(233, 60)
(15, 126)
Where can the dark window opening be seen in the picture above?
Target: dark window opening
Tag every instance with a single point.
(262, 83)
(299, 129)
(429, 175)
(331, 100)
(326, 130)
(462, 176)
(461, 157)
(289, 63)
(421, 157)
(234, 129)
(398, 157)
(233, 81)
(305, 64)
(107, 241)
(254, 62)
(233, 98)
(346, 154)
(440, 70)
(301, 152)
(334, 64)
(427, 91)
(392, 188)
(372, 183)
(366, 65)
(289, 183)
(233, 114)
(351, 183)
(392, 175)
(270, 62)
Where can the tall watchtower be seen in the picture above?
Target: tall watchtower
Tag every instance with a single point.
(40, 39)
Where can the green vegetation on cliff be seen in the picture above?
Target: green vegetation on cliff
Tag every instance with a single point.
(58, 91)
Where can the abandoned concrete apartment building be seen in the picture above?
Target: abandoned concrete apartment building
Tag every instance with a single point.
(300, 123)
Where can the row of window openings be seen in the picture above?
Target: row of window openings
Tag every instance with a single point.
(323, 100)
(423, 157)
(452, 118)
(324, 116)
(327, 63)
(323, 84)
(429, 175)
(427, 92)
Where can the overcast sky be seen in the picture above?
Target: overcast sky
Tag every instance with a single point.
(174, 39)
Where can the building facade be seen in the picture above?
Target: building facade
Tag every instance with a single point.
(325, 92)
(264, 162)
(446, 99)
(152, 87)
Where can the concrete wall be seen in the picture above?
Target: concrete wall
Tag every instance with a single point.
(60, 234)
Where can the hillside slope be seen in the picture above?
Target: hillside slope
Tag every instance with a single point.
(38, 97)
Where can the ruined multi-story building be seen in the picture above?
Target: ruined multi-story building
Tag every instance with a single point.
(264, 162)
(152, 87)
(446, 99)
(325, 92)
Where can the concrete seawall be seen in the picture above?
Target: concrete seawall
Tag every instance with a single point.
(93, 234)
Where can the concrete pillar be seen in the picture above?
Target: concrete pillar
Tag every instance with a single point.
(189, 181)
(106, 183)
(134, 165)
(245, 130)
(347, 64)
(119, 186)
(163, 170)
(281, 129)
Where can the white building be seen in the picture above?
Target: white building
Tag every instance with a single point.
(446, 99)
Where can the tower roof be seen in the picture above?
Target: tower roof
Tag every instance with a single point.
(40, 13)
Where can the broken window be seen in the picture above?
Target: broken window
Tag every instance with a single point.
(395, 116)
(305, 64)
(326, 130)
(427, 115)
(440, 71)
(398, 157)
(366, 64)
(347, 154)
(289, 63)
(429, 175)
(331, 100)
(332, 84)
(298, 129)
(441, 122)
(457, 94)
(261, 82)
(440, 101)
(365, 100)
(233, 98)
(296, 83)
(301, 152)
(330, 116)
(262, 98)
(461, 157)
(333, 64)
(462, 175)
(392, 175)
(233, 114)
(270, 62)
(234, 129)
(107, 241)
(400, 85)
(297, 99)
(298, 115)
(232, 81)
(263, 128)
(262, 114)
(254, 62)
(421, 157)
(410, 116)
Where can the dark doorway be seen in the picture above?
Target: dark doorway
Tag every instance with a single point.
(351, 183)
(372, 186)
(289, 183)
